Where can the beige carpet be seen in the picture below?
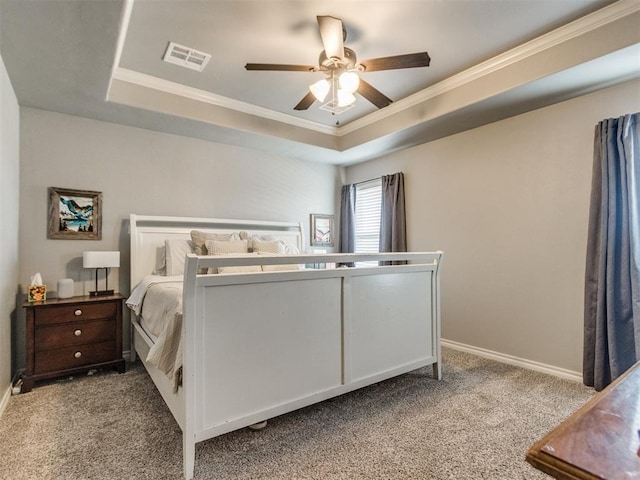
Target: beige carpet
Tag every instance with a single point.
(476, 423)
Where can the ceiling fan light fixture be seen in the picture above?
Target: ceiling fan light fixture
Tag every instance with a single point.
(341, 66)
(345, 98)
(320, 89)
(349, 82)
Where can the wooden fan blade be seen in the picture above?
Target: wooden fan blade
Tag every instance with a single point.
(305, 102)
(410, 60)
(372, 94)
(280, 67)
(332, 36)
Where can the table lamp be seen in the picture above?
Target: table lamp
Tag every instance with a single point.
(100, 260)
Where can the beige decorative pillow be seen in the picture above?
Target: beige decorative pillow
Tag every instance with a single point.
(240, 269)
(216, 247)
(251, 238)
(234, 247)
(200, 238)
(275, 246)
(281, 268)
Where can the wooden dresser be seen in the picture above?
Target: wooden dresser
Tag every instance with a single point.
(73, 335)
(600, 440)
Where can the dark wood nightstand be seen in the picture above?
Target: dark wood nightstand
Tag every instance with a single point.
(74, 335)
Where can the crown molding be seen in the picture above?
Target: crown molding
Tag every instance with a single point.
(588, 23)
(122, 36)
(155, 83)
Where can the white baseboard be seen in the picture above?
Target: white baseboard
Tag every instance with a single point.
(5, 400)
(516, 361)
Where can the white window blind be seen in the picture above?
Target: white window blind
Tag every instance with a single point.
(367, 228)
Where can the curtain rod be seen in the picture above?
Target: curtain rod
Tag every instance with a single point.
(367, 181)
(372, 179)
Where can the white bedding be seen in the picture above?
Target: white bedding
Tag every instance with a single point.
(157, 300)
(161, 303)
(135, 300)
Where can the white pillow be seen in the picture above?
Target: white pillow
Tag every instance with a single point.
(262, 246)
(161, 261)
(279, 268)
(291, 249)
(175, 253)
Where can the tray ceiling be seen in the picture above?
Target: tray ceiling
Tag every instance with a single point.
(490, 59)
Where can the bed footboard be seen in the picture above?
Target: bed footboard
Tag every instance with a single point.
(263, 344)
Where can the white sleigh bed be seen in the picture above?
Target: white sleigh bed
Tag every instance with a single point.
(258, 345)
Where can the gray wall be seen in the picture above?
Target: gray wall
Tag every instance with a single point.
(150, 173)
(9, 181)
(508, 203)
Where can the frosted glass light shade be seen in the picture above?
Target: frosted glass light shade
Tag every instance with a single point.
(345, 98)
(349, 82)
(320, 89)
(100, 259)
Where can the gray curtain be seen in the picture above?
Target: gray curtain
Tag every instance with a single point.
(393, 229)
(347, 219)
(612, 283)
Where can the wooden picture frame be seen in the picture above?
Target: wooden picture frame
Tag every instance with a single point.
(74, 214)
(322, 232)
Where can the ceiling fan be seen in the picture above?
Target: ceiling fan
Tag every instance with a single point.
(341, 66)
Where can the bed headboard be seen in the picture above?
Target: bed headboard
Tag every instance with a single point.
(148, 233)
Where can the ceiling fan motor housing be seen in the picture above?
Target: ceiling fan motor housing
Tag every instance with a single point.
(348, 62)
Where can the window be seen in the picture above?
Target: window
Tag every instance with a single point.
(367, 228)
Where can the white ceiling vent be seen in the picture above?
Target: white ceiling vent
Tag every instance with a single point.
(186, 57)
(333, 107)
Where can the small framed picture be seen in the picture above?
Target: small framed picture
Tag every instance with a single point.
(74, 214)
(322, 230)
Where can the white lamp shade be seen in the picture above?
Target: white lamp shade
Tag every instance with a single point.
(320, 89)
(100, 259)
(345, 98)
(349, 82)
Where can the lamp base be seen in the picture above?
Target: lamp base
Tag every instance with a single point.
(100, 293)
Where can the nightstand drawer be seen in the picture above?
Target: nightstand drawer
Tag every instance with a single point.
(75, 313)
(75, 356)
(66, 335)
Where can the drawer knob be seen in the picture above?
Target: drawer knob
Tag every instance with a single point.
(77, 354)
(77, 333)
(77, 313)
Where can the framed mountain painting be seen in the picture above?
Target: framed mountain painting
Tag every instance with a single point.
(75, 214)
